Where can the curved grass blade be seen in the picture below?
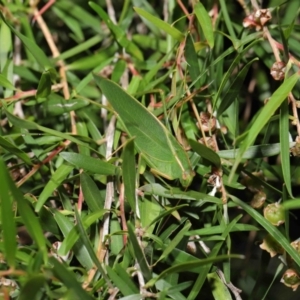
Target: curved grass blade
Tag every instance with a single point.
(128, 171)
(11, 148)
(274, 232)
(91, 164)
(284, 146)
(138, 253)
(69, 280)
(57, 178)
(119, 34)
(205, 22)
(206, 153)
(264, 116)
(38, 54)
(172, 31)
(188, 266)
(256, 151)
(158, 147)
(8, 226)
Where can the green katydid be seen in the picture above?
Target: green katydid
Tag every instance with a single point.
(153, 141)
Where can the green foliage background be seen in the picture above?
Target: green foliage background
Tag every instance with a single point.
(105, 198)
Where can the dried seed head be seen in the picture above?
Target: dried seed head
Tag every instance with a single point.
(257, 19)
(258, 199)
(274, 213)
(296, 245)
(291, 279)
(271, 245)
(208, 122)
(295, 150)
(278, 70)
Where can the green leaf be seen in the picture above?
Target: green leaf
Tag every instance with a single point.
(118, 32)
(44, 87)
(257, 151)
(218, 287)
(175, 241)
(91, 193)
(32, 125)
(234, 89)
(273, 231)
(218, 229)
(71, 238)
(57, 178)
(57, 105)
(129, 172)
(206, 153)
(158, 147)
(79, 249)
(29, 219)
(188, 266)
(91, 164)
(205, 22)
(284, 146)
(87, 243)
(8, 226)
(4, 82)
(264, 116)
(32, 288)
(34, 49)
(68, 279)
(172, 31)
(122, 281)
(11, 148)
(138, 253)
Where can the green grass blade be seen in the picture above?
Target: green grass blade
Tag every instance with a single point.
(35, 50)
(187, 266)
(79, 249)
(69, 280)
(218, 287)
(11, 148)
(264, 116)
(91, 193)
(57, 178)
(91, 164)
(205, 22)
(8, 226)
(129, 173)
(138, 253)
(284, 146)
(32, 125)
(274, 232)
(172, 31)
(206, 153)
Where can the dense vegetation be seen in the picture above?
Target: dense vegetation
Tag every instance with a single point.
(149, 149)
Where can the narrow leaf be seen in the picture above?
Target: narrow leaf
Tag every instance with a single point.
(206, 153)
(284, 146)
(91, 164)
(91, 193)
(175, 33)
(129, 172)
(8, 226)
(57, 178)
(205, 22)
(264, 116)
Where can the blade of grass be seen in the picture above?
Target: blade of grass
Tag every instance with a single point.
(172, 31)
(284, 146)
(264, 116)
